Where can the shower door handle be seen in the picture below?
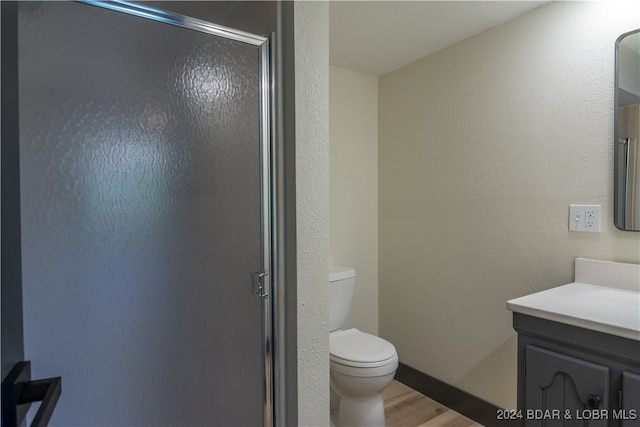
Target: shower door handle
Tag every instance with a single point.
(19, 392)
(259, 287)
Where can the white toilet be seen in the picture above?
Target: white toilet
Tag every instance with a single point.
(361, 365)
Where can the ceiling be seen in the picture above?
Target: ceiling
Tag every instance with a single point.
(377, 37)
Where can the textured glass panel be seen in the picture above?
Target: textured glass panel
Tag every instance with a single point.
(141, 218)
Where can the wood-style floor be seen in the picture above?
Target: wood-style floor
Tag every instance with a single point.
(405, 407)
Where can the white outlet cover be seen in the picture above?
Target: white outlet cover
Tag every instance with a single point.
(584, 218)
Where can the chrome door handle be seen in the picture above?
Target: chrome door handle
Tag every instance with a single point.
(259, 285)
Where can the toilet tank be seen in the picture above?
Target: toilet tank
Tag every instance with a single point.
(341, 283)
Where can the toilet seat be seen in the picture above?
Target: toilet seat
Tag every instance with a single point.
(355, 351)
(356, 371)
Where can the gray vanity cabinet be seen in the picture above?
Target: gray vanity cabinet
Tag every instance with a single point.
(571, 376)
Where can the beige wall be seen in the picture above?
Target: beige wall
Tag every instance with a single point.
(482, 147)
(353, 214)
(311, 21)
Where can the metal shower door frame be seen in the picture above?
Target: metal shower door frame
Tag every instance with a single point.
(266, 164)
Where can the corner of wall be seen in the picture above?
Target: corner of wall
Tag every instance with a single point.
(311, 20)
(353, 237)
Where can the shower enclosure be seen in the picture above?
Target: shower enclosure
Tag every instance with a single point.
(145, 206)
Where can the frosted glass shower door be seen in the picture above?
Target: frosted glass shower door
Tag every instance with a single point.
(144, 196)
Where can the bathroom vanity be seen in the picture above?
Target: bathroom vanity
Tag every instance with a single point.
(579, 349)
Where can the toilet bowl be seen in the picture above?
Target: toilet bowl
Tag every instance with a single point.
(361, 365)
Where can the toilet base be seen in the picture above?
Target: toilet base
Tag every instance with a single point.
(367, 412)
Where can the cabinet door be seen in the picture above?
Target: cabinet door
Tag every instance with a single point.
(561, 390)
(630, 399)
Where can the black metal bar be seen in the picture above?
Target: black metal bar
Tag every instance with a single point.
(11, 276)
(19, 392)
(13, 413)
(50, 390)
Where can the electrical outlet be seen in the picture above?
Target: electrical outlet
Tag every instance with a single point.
(585, 218)
(590, 218)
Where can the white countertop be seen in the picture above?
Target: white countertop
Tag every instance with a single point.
(605, 309)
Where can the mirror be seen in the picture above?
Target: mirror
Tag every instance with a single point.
(627, 131)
